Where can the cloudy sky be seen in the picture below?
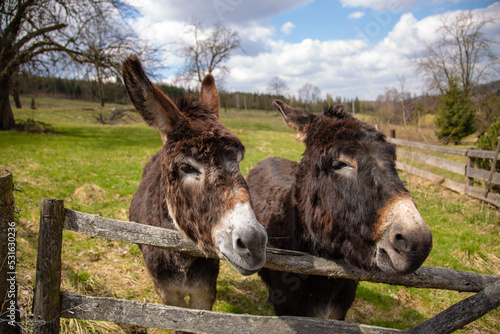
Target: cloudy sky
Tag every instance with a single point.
(345, 47)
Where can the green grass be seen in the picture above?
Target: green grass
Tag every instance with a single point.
(96, 169)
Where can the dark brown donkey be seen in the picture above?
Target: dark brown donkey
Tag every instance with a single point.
(344, 200)
(193, 184)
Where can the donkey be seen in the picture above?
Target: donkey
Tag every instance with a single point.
(193, 184)
(344, 200)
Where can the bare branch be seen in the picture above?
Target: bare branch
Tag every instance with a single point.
(277, 86)
(462, 55)
(209, 51)
(32, 32)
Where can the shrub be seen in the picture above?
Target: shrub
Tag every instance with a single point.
(31, 126)
(488, 141)
(456, 116)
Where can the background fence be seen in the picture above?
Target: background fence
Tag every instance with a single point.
(465, 169)
(50, 303)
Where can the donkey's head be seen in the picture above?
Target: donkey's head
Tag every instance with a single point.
(206, 194)
(351, 201)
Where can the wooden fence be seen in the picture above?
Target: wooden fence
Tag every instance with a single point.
(466, 169)
(51, 303)
(9, 317)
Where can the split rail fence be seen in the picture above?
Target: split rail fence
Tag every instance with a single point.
(466, 169)
(50, 303)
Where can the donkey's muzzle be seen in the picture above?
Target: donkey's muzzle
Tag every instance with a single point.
(242, 240)
(406, 241)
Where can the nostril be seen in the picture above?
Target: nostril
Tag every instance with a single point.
(240, 244)
(400, 242)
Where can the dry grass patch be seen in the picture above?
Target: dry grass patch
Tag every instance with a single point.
(88, 194)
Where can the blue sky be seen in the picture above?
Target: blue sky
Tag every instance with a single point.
(326, 20)
(345, 47)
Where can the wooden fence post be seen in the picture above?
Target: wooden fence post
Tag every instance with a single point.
(469, 164)
(8, 286)
(493, 168)
(46, 303)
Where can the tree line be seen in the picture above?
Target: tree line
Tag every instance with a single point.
(81, 89)
(114, 92)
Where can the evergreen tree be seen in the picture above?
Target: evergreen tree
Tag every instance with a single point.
(456, 116)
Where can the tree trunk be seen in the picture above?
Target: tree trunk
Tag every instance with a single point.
(100, 84)
(101, 92)
(15, 93)
(7, 121)
(17, 101)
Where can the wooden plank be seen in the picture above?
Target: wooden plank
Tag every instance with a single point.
(200, 321)
(452, 185)
(481, 174)
(481, 154)
(46, 302)
(463, 312)
(8, 245)
(428, 147)
(479, 193)
(282, 260)
(435, 148)
(455, 186)
(97, 226)
(445, 164)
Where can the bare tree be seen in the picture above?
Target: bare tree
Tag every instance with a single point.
(277, 86)
(209, 50)
(462, 55)
(105, 42)
(403, 95)
(386, 105)
(309, 95)
(30, 30)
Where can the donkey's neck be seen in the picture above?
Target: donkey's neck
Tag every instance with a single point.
(307, 234)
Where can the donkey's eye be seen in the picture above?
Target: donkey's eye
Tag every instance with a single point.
(338, 165)
(188, 169)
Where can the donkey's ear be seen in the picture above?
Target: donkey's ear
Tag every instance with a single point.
(338, 111)
(209, 95)
(156, 108)
(295, 118)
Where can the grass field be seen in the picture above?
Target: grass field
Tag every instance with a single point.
(96, 168)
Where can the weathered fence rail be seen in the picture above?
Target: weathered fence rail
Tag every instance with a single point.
(466, 169)
(51, 303)
(277, 259)
(199, 321)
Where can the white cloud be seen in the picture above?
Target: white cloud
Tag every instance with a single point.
(342, 67)
(379, 5)
(339, 67)
(287, 28)
(317, 62)
(356, 15)
(256, 33)
(211, 11)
